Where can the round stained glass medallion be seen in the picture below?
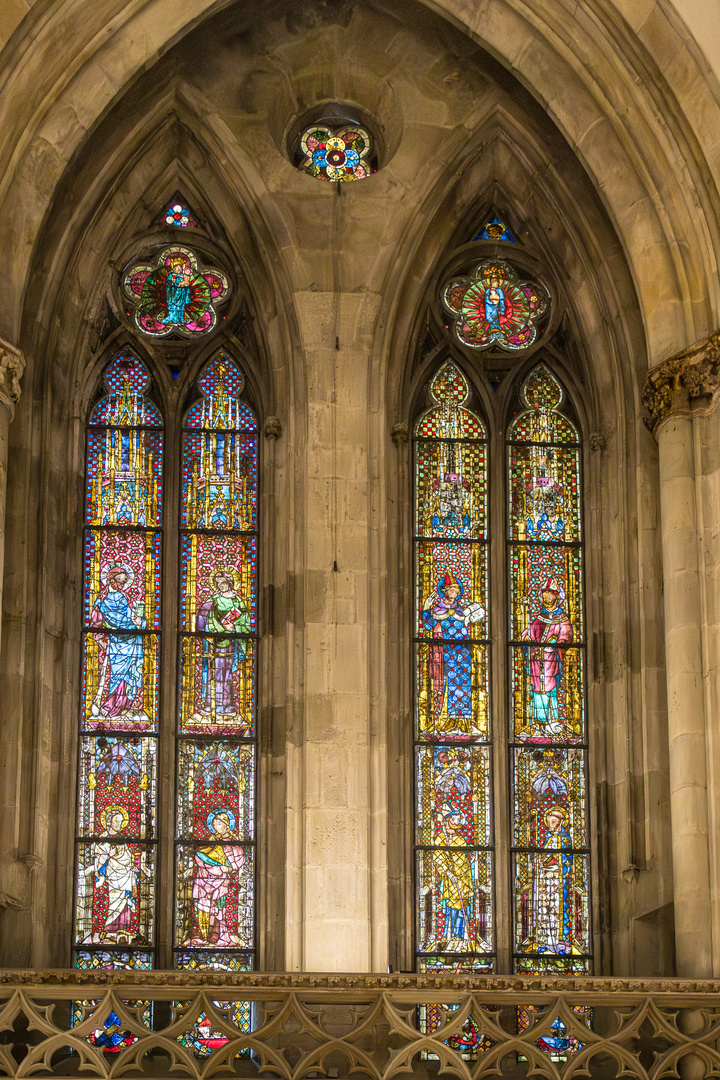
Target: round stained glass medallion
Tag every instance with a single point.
(337, 154)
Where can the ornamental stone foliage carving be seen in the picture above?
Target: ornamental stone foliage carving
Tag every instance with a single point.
(175, 294)
(101, 1024)
(12, 366)
(493, 308)
(686, 384)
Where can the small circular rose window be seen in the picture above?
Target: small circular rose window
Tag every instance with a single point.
(337, 154)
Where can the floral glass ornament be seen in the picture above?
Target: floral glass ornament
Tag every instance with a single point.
(495, 308)
(337, 154)
(177, 214)
(175, 294)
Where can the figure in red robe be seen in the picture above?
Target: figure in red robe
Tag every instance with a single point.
(544, 660)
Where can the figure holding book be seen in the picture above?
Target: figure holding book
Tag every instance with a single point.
(225, 613)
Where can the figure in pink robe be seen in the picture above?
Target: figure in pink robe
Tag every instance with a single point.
(544, 661)
(215, 887)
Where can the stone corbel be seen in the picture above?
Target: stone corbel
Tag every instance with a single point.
(273, 428)
(687, 384)
(12, 366)
(400, 433)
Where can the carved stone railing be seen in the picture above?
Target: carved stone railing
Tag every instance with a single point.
(96, 1024)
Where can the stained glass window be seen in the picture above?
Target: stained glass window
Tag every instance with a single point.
(215, 811)
(179, 215)
(495, 229)
(548, 734)
(114, 923)
(174, 294)
(494, 308)
(336, 153)
(454, 886)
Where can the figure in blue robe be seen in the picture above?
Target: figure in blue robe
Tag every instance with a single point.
(121, 677)
(446, 617)
(177, 291)
(494, 305)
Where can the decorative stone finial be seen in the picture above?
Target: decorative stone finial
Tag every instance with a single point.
(686, 384)
(400, 433)
(272, 428)
(12, 366)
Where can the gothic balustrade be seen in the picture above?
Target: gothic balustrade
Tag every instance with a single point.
(103, 1024)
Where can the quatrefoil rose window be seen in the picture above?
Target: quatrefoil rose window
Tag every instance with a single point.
(175, 295)
(337, 154)
(495, 308)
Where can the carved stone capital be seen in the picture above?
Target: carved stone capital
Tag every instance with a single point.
(400, 433)
(273, 428)
(12, 365)
(685, 385)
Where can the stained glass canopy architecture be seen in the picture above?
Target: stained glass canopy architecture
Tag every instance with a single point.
(494, 308)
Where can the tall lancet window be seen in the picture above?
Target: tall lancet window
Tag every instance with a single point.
(114, 923)
(215, 820)
(454, 894)
(548, 735)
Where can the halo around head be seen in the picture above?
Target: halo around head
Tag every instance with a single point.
(115, 564)
(227, 571)
(221, 812)
(114, 809)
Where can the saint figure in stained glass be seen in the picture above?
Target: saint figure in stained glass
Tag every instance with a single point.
(119, 691)
(495, 308)
(545, 662)
(116, 868)
(445, 616)
(215, 886)
(176, 294)
(225, 611)
(552, 887)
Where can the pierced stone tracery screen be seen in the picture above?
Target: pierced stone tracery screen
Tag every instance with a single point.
(454, 891)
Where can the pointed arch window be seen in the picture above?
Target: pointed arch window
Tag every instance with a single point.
(127, 731)
(464, 837)
(214, 918)
(454, 896)
(548, 729)
(116, 846)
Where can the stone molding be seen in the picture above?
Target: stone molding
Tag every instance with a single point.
(12, 366)
(686, 384)
(330, 981)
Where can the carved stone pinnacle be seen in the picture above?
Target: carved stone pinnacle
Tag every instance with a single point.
(12, 365)
(684, 385)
